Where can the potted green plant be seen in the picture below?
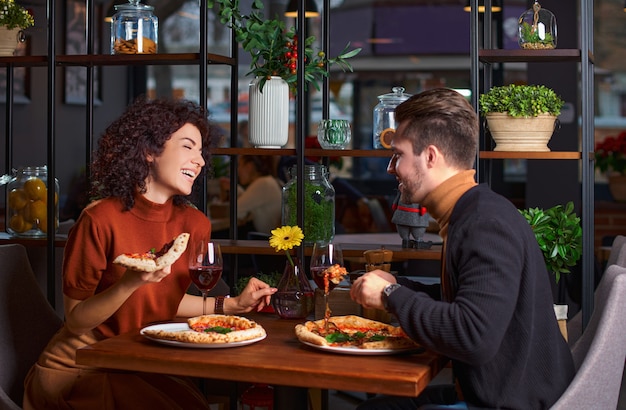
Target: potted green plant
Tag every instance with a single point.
(521, 117)
(13, 19)
(559, 235)
(274, 52)
(273, 48)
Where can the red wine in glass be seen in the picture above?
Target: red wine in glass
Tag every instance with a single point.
(205, 266)
(205, 277)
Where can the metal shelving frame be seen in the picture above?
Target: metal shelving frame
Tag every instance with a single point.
(485, 57)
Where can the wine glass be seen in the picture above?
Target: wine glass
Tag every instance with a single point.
(325, 255)
(205, 266)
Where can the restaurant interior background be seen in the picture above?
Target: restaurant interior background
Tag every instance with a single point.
(416, 44)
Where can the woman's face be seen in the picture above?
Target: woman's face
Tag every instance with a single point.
(175, 170)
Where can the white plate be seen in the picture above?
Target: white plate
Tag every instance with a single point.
(179, 327)
(363, 352)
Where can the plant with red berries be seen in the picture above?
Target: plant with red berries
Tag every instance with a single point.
(610, 154)
(274, 49)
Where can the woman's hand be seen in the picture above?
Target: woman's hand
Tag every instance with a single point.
(255, 296)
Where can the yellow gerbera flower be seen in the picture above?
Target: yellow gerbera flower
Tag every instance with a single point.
(286, 237)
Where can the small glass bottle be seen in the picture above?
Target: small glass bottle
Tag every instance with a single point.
(27, 202)
(384, 113)
(134, 29)
(319, 204)
(537, 29)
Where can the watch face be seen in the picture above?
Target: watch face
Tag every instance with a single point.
(390, 288)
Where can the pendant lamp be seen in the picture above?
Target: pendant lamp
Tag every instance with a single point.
(310, 9)
(495, 6)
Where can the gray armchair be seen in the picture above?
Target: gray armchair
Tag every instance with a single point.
(27, 323)
(600, 352)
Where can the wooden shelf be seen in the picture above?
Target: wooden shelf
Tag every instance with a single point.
(140, 59)
(529, 56)
(312, 152)
(24, 61)
(530, 155)
(258, 247)
(5, 239)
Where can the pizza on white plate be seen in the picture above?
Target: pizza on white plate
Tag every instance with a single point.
(208, 329)
(154, 260)
(354, 331)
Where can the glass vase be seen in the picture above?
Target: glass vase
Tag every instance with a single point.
(294, 298)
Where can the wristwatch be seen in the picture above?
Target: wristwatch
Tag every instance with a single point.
(388, 290)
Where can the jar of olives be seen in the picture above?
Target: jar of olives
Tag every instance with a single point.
(27, 202)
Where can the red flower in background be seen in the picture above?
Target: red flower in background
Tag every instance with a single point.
(610, 154)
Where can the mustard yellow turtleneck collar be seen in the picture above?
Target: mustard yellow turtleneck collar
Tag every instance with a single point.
(441, 200)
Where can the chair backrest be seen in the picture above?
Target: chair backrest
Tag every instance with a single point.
(616, 247)
(617, 257)
(27, 321)
(600, 352)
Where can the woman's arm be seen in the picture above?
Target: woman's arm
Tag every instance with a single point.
(255, 296)
(83, 315)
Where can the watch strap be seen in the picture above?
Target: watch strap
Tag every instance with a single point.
(219, 305)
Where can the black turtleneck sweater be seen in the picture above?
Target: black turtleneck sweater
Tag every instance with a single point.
(499, 327)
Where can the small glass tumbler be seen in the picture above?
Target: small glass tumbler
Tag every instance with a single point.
(334, 134)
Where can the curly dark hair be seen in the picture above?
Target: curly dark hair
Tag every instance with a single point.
(120, 166)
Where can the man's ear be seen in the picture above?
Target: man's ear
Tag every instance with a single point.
(432, 155)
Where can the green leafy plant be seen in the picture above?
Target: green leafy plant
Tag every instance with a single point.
(269, 278)
(274, 48)
(12, 15)
(559, 235)
(530, 37)
(521, 101)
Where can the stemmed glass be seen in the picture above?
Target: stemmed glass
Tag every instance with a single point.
(325, 255)
(205, 266)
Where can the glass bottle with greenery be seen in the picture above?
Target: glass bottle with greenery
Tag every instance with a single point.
(319, 204)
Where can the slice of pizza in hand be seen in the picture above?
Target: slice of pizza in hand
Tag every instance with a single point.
(155, 260)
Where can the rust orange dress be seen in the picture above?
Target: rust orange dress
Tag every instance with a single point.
(103, 231)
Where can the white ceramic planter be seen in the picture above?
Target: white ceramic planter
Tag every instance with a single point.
(269, 113)
(521, 133)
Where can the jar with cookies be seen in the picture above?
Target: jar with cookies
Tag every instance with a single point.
(134, 29)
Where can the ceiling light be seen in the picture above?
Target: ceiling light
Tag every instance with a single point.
(495, 6)
(310, 9)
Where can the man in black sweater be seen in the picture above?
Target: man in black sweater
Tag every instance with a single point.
(493, 314)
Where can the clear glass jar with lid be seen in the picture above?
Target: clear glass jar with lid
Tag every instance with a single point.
(27, 202)
(134, 29)
(319, 204)
(537, 29)
(384, 115)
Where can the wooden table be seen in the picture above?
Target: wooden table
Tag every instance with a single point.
(280, 359)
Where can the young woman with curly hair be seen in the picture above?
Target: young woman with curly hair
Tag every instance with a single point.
(144, 170)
